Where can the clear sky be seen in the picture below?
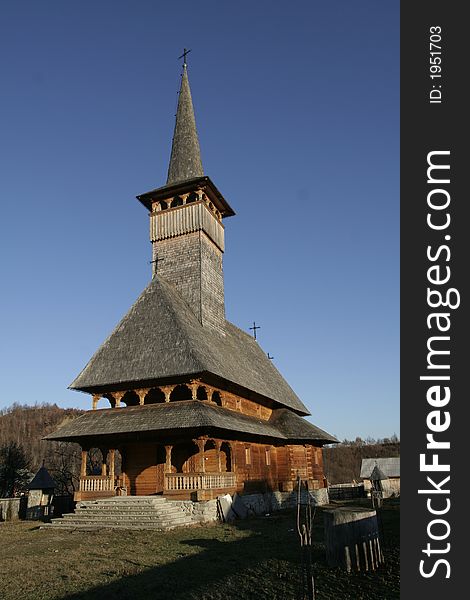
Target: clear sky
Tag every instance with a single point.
(297, 108)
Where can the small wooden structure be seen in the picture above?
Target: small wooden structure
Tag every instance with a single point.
(390, 469)
(40, 495)
(352, 538)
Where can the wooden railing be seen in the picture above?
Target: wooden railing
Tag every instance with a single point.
(96, 483)
(198, 481)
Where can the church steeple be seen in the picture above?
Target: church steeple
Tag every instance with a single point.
(185, 159)
(186, 227)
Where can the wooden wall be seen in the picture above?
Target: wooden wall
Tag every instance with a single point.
(143, 468)
(258, 466)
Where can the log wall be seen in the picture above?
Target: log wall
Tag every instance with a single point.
(258, 467)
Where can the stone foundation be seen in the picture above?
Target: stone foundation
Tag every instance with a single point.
(256, 504)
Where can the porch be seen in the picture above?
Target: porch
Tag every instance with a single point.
(194, 470)
(176, 485)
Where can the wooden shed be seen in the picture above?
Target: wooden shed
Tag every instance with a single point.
(389, 471)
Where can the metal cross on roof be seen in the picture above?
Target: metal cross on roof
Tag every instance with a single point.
(254, 328)
(183, 56)
(155, 262)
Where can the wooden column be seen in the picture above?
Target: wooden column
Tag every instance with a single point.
(117, 397)
(167, 389)
(83, 465)
(111, 455)
(218, 444)
(200, 443)
(96, 398)
(194, 387)
(231, 449)
(168, 450)
(142, 394)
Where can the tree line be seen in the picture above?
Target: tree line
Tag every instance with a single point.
(342, 462)
(23, 451)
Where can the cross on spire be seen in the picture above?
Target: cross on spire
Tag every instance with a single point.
(183, 56)
(254, 328)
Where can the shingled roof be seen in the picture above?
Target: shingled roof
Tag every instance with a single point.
(295, 427)
(189, 414)
(389, 467)
(185, 159)
(161, 338)
(42, 480)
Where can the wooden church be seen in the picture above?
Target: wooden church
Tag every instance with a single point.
(196, 407)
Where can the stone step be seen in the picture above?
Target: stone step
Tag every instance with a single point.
(123, 503)
(106, 518)
(73, 519)
(134, 513)
(125, 512)
(94, 527)
(128, 508)
(128, 511)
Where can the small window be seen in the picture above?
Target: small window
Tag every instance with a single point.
(268, 457)
(248, 455)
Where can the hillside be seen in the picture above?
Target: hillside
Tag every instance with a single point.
(26, 425)
(342, 462)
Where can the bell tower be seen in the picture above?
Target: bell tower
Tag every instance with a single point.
(186, 229)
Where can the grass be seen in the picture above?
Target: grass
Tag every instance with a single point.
(257, 558)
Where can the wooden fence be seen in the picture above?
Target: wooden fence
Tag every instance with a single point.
(346, 491)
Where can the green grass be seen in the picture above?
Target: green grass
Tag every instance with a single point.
(253, 559)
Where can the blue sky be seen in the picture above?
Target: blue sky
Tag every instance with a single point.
(297, 108)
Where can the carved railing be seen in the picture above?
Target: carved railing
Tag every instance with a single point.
(198, 481)
(96, 483)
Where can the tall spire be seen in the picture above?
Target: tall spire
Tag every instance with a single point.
(185, 159)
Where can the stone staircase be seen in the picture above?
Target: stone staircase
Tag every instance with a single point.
(124, 512)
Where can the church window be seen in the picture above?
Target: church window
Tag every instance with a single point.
(248, 455)
(268, 457)
(216, 398)
(163, 205)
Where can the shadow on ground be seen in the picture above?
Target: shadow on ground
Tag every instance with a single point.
(211, 568)
(262, 563)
